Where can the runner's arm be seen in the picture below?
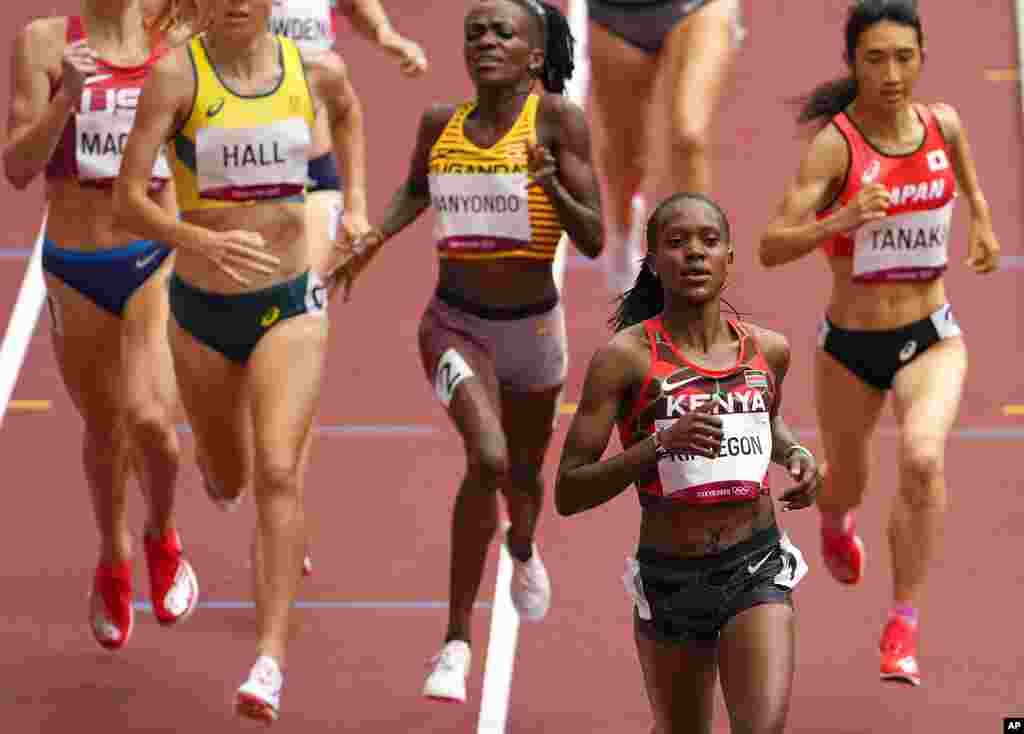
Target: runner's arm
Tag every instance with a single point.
(795, 231)
(584, 480)
(35, 123)
(345, 113)
(164, 104)
(573, 188)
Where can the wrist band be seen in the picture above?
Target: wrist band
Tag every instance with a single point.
(798, 447)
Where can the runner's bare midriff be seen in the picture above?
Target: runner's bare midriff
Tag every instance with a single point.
(83, 218)
(499, 283)
(283, 228)
(878, 306)
(691, 531)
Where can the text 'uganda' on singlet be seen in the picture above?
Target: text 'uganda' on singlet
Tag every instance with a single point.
(912, 242)
(482, 206)
(310, 23)
(241, 149)
(744, 396)
(92, 144)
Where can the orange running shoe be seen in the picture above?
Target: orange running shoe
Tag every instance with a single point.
(899, 653)
(844, 553)
(111, 615)
(173, 583)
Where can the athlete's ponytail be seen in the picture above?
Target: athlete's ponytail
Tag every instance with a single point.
(176, 21)
(831, 98)
(558, 44)
(646, 299)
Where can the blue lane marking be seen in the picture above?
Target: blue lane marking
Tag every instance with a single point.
(355, 429)
(145, 606)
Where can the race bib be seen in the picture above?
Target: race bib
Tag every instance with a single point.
(267, 162)
(99, 148)
(307, 22)
(481, 211)
(737, 473)
(316, 294)
(906, 246)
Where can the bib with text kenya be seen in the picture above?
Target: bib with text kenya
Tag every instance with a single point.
(742, 397)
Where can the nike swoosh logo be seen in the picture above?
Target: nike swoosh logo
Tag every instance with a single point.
(669, 386)
(144, 261)
(96, 78)
(752, 568)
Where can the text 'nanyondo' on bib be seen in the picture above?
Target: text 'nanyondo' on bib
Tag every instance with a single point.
(483, 209)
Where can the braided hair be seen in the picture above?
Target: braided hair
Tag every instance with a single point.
(646, 299)
(558, 43)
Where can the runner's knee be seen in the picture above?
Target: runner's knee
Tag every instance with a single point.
(278, 479)
(922, 468)
(922, 458)
(489, 462)
(762, 722)
(152, 426)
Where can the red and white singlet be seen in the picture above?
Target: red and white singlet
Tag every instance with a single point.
(92, 144)
(744, 395)
(911, 243)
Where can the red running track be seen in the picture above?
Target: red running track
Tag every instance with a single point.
(380, 504)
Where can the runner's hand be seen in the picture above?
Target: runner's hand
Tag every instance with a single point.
(698, 433)
(355, 256)
(983, 250)
(803, 467)
(868, 205)
(77, 64)
(540, 164)
(241, 254)
(411, 58)
(352, 228)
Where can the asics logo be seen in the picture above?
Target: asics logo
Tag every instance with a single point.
(872, 171)
(270, 316)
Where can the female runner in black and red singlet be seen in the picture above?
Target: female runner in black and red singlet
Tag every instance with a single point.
(876, 189)
(696, 398)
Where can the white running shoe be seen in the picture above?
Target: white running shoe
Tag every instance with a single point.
(447, 679)
(530, 587)
(259, 697)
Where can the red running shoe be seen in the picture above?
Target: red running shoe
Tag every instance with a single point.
(111, 615)
(173, 583)
(899, 653)
(844, 553)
